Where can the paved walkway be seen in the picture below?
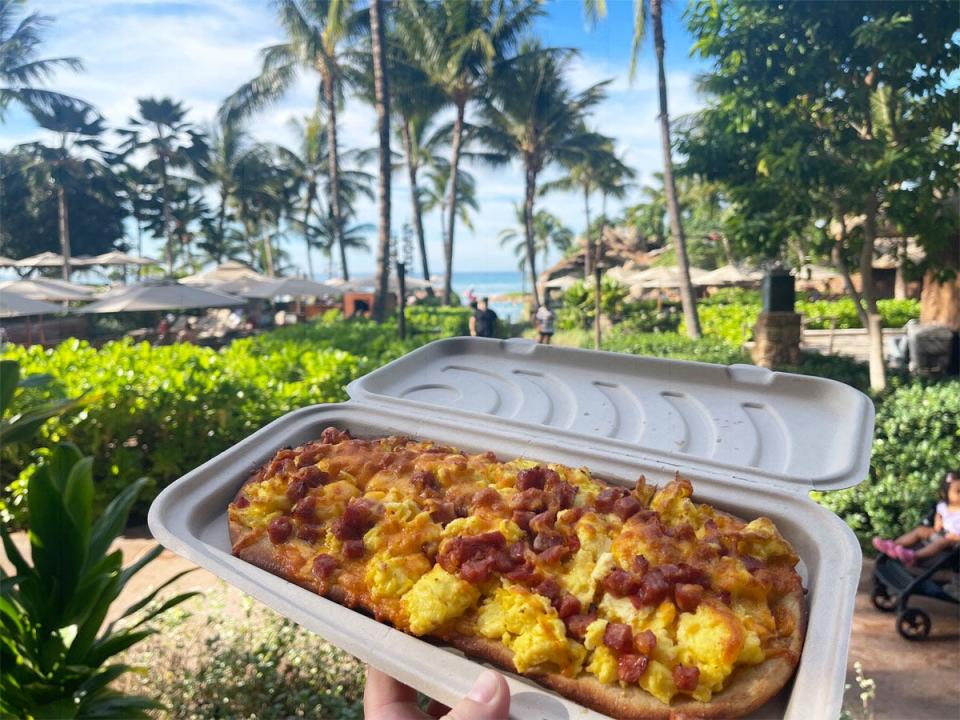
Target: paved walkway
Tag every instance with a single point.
(915, 680)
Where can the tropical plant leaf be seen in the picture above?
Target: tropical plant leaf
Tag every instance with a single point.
(55, 541)
(172, 602)
(147, 599)
(114, 518)
(9, 379)
(78, 497)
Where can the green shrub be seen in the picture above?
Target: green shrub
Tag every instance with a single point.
(819, 314)
(916, 441)
(672, 345)
(160, 411)
(732, 295)
(836, 367)
(732, 323)
(246, 662)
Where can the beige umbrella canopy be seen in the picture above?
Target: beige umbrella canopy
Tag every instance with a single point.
(159, 296)
(15, 305)
(665, 277)
(115, 257)
(227, 272)
(47, 289)
(368, 283)
(7, 262)
(44, 259)
(729, 275)
(263, 289)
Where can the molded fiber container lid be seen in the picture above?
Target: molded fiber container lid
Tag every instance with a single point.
(746, 422)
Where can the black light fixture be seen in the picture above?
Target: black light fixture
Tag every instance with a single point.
(778, 291)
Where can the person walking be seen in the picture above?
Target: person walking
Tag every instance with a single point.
(483, 322)
(546, 319)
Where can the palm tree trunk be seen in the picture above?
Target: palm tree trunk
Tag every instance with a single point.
(528, 231)
(221, 223)
(452, 204)
(311, 196)
(64, 228)
(165, 203)
(415, 198)
(687, 297)
(268, 254)
(333, 164)
(381, 89)
(588, 257)
(878, 371)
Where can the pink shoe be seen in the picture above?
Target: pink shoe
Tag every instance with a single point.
(905, 555)
(887, 547)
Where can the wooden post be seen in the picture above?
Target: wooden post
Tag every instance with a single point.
(878, 378)
(402, 300)
(596, 304)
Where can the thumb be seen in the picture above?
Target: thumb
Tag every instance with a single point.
(488, 699)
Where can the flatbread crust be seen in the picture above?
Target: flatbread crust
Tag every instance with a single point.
(747, 689)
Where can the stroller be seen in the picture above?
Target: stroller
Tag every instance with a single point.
(894, 583)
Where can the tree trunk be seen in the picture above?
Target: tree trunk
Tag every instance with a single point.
(869, 294)
(415, 198)
(333, 166)
(452, 204)
(165, 201)
(382, 103)
(64, 228)
(588, 256)
(268, 254)
(687, 296)
(311, 196)
(221, 224)
(528, 232)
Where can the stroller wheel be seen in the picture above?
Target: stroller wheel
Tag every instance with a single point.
(913, 624)
(882, 599)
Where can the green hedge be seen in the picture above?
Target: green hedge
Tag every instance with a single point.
(160, 411)
(916, 441)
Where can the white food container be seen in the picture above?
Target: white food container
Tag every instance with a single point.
(753, 442)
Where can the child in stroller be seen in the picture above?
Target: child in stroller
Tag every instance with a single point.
(944, 535)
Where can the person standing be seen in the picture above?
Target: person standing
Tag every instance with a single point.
(483, 323)
(546, 319)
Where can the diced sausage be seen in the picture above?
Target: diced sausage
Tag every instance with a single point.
(654, 588)
(550, 589)
(534, 477)
(332, 436)
(567, 606)
(242, 502)
(487, 497)
(686, 677)
(559, 494)
(619, 583)
(608, 497)
(455, 553)
(645, 642)
(531, 500)
(523, 573)
(324, 566)
(631, 667)
(425, 482)
(359, 516)
(477, 571)
(279, 529)
(577, 624)
(522, 518)
(546, 539)
(561, 551)
(296, 490)
(443, 512)
(751, 563)
(619, 637)
(305, 509)
(543, 522)
(312, 476)
(626, 507)
(640, 565)
(353, 549)
(688, 596)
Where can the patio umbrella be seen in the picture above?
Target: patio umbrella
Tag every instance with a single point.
(116, 257)
(562, 283)
(47, 289)
(368, 283)
(7, 262)
(44, 259)
(227, 272)
(729, 275)
(15, 305)
(159, 296)
(263, 289)
(666, 277)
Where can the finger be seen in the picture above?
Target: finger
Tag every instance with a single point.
(385, 698)
(437, 709)
(489, 699)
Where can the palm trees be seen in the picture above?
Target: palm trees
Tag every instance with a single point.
(162, 131)
(534, 116)
(78, 127)
(382, 107)
(654, 9)
(548, 230)
(457, 44)
(317, 31)
(21, 71)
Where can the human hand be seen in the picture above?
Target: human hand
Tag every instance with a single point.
(385, 698)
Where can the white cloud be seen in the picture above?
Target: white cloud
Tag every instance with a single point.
(200, 51)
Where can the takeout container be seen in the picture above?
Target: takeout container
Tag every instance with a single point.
(753, 442)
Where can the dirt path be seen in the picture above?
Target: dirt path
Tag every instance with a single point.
(915, 680)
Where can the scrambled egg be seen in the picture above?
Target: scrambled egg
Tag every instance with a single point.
(436, 598)
(390, 577)
(592, 561)
(527, 624)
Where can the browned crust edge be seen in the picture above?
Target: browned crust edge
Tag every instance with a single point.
(749, 689)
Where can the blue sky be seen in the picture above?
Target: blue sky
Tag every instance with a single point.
(200, 51)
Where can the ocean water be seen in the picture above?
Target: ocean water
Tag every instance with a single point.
(492, 284)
